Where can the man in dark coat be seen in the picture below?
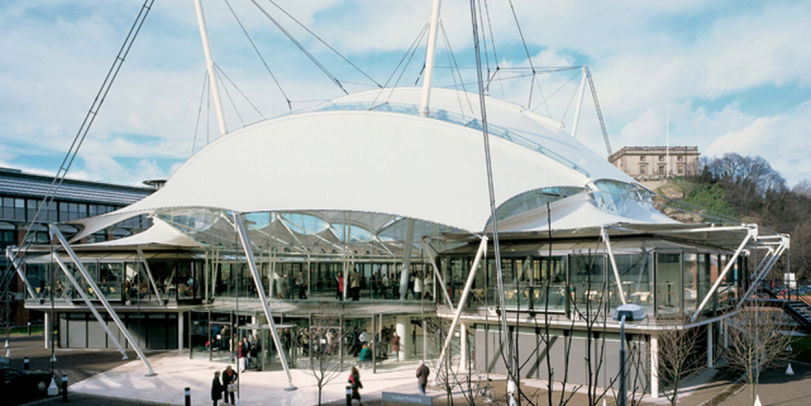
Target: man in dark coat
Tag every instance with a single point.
(422, 377)
(216, 388)
(229, 376)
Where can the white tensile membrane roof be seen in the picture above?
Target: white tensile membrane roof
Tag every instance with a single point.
(385, 161)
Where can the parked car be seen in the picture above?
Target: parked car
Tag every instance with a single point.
(20, 384)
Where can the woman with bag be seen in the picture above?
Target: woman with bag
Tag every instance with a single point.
(354, 380)
(229, 378)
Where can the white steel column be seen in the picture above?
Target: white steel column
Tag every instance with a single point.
(470, 277)
(463, 346)
(654, 366)
(16, 265)
(402, 327)
(149, 273)
(246, 246)
(432, 257)
(723, 274)
(46, 327)
(429, 60)
(408, 245)
(89, 304)
(581, 91)
(180, 328)
(709, 346)
(212, 77)
(58, 235)
(617, 279)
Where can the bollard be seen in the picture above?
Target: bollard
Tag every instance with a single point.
(64, 388)
(348, 395)
(26, 365)
(187, 393)
(29, 328)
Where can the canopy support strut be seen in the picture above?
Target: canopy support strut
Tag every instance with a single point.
(617, 279)
(246, 246)
(55, 233)
(148, 273)
(89, 304)
(749, 235)
(471, 276)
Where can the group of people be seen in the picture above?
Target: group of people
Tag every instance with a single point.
(420, 285)
(224, 387)
(248, 352)
(283, 282)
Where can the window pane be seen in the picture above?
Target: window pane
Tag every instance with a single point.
(668, 285)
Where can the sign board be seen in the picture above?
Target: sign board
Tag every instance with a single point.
(406, 398)
(789, 280)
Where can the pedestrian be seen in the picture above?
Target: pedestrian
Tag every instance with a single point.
(422, 377)
(301, 285)
(242, 354)
(354, 283)
(254, 353)
(340, 291)
(365, 356)
(216, 388)
(229, 379)
(418, 286)
(354, 380)
(395, 345)
(384, 285)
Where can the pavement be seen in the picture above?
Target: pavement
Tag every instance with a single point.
(100, 377)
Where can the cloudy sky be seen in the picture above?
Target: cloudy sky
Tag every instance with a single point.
(734, 75)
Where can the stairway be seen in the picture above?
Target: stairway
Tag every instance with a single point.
(800, 311)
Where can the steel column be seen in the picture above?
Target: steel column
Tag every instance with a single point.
(617, 279)
(16, 265)
(438, 276)
(61, 238)
(722, 275)
(149, 273)
(89, 304)
(246, 246)
(470, 277)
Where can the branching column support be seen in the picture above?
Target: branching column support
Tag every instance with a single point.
(246, 246)
(408, 245)
(751, 233)
(212, 77)
(149, 273)
(15, 263)
(55, 233)
(89, 304)
(432, 257)
(458, 313)
(781, 248)
(579, 107)
(617, 278)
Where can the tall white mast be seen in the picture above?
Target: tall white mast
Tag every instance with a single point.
(579, 107)
(429, 60)
(667, 139)
(212, 78)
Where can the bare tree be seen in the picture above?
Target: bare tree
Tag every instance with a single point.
(678, 358)
(325, 361)
(756, 341)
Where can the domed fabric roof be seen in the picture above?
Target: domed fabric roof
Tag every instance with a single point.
(345, 156)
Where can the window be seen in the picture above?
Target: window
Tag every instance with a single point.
(642, 158)
(661, 169)
(661, 158)
(668, 283)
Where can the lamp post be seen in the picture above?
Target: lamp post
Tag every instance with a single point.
(630, 312)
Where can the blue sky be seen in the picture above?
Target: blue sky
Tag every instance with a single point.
(733, 74)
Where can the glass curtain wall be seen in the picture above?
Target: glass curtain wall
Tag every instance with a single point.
(588, 283)
(668, 284)
(636, 271)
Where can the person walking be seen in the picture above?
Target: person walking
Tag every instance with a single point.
(229, 378)
(395, 345)
(418, 286)
(340, 292)
(422, 377)
(354, 380)
(216, 388)
(354, 284)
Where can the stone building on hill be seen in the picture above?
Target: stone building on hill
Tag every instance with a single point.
(651, 163)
